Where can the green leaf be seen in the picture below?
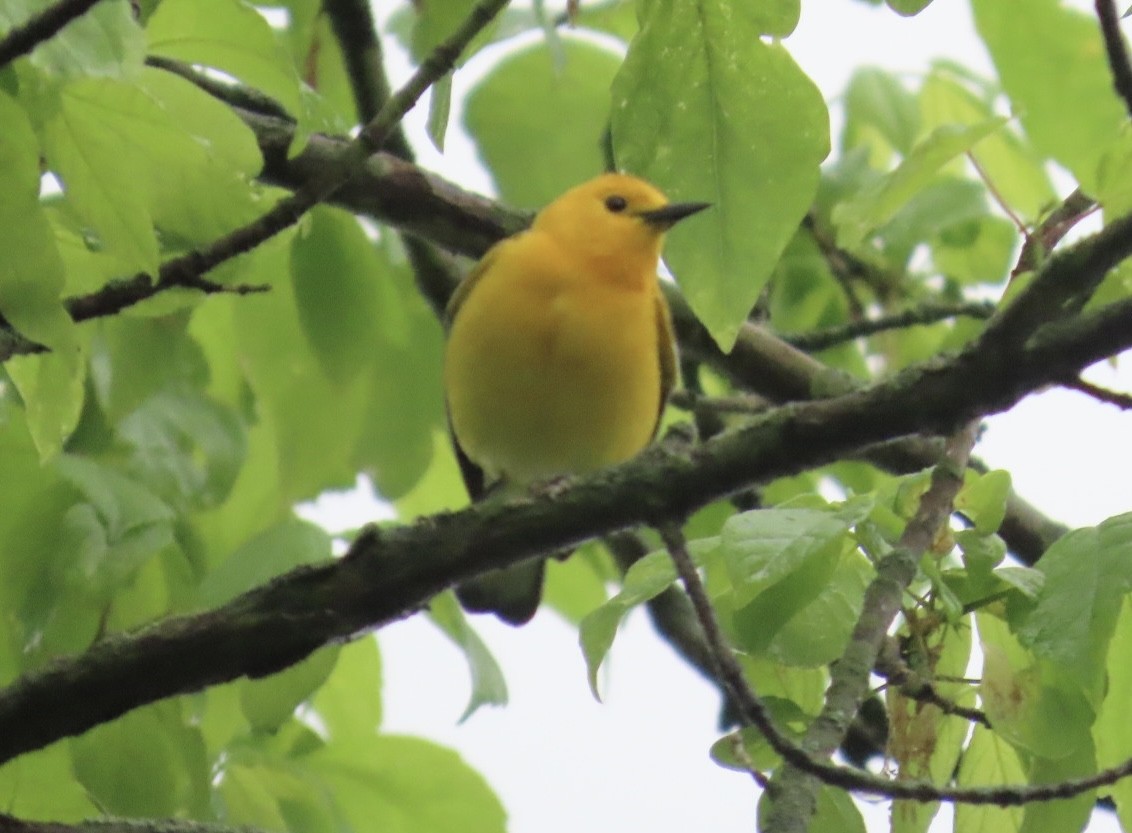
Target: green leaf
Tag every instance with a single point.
(406, 784)
(1112, 732)
(878, 203)
(188, 448)
(123, 372)
(982, 500)
(167, 775)
(1030, 702)
(1007, 160)
(269, 702)
(987, 762)
(104, 41)
(1087, 573)
(222, 138)
(312, 453)
(488, 686)
(878, 105)
(31, 277)
(817, 633)
(52, 388)
(439, 106)
(84, 139)
(645, 580)
(228, 35)
(614, 17)
(349, 702)
(764, 546)
(267, 555)
(908, 8)
(1114, 179)
(42, 785)
(946, 206)
(526, 103)
(979, 252)
(1052, 64)
(405, 389)
(335, 273)
(131, 523)
(1069, 813)
(697, 84)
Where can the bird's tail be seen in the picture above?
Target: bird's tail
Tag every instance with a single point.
(513, 594)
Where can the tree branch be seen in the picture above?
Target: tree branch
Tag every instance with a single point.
(795, 799)
(894, 571)
(11, 824)
(1116, 51)
(424, 205)
(40, 27)
(1101, 394)
(389, 575)
(924, 314)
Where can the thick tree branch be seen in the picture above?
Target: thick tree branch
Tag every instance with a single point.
(388, 576)
(41, 27)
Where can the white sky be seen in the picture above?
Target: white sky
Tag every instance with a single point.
(562, 762)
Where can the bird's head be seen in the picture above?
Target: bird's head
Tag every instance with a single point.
(614, 218)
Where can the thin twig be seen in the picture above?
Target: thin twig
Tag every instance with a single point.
(915, 316)
(1051, 230)
(737, 404)
(995, 194)
(1101, 394)
(892, 667)
(230, 92)
(1116, 50)
(40, 27)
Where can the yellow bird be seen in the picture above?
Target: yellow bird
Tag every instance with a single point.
(560, 355)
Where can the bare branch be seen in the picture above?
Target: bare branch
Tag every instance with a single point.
(1101, 394)
(11, 824)
(40, 27)
(915, 316)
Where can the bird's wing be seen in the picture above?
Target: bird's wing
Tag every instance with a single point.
(475, 480)
(469, 283)
(666, 354)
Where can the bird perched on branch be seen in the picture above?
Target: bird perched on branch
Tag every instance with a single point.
(560, 355)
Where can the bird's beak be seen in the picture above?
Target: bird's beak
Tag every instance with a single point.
(667, 216)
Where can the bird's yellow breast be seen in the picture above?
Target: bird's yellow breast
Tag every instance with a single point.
(552, 369)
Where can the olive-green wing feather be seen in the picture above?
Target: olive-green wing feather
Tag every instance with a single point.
(469, 283)
(666, 354)
(474, 479)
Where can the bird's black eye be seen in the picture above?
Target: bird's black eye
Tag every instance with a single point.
(616, 203)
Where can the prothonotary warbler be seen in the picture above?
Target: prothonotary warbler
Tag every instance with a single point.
(560, 355)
